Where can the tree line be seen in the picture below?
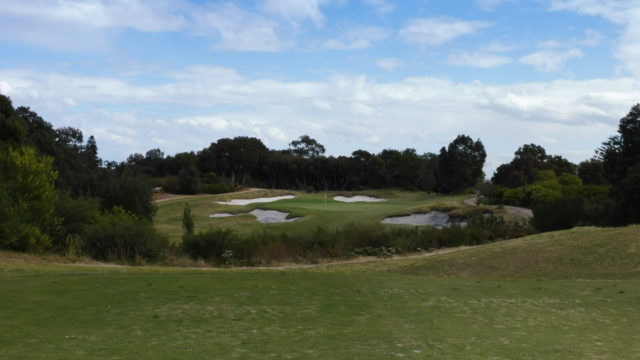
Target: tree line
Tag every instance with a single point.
(246, 161)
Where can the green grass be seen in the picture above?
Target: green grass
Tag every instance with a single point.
(580, 253)
(578, 300)
(312, 207)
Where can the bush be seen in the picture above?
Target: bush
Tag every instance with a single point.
(209, 245)
(557, 214)
(122, 236)
(218, 188)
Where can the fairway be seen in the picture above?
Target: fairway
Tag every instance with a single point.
(430, 308)
(317, 209)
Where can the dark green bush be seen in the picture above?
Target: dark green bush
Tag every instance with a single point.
(218, 188)
(122, 236)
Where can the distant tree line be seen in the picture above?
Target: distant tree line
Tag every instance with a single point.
(246, 161)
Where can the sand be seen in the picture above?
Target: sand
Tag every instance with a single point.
(256, 200)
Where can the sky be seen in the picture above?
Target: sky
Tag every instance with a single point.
(352, 74)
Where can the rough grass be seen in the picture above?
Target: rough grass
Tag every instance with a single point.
(579, 253)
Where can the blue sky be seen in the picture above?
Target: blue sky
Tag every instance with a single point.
(353, 74)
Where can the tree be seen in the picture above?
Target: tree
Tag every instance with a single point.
(13, 130)
(306, 147)
(187, 220)
(188, 181)
(620, 155)
(27, 199)
(461, 164)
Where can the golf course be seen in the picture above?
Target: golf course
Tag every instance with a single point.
(571, 294)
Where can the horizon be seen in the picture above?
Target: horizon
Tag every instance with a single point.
(352, 74)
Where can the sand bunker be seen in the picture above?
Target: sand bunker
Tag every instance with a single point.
(263, 216)
(255, 201)
(271, 216)
(221, 215)
(438, 219)
(358, 198)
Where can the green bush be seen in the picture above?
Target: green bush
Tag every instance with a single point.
(122, 236)
(218, 188)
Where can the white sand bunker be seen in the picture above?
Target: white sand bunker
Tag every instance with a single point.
(271, 216)
(438, 219)
(221, 215)
(358, 198)
(255, 201)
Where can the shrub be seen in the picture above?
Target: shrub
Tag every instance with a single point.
(209, 245)
(218, 188)
(122, 236)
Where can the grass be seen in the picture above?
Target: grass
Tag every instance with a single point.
(579, 253)
(312, 207)
(571, 295)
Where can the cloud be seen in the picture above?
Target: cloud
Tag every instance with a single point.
(140, 15)
(623, 13)
(479, 59)
(438, 31)
(357, 38)
(296, 10)
(90, 25)
(490, 5)
(550, 60)
(381, 6)
(389, 64)
(238, 29)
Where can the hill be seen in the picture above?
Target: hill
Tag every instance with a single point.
(579, 253)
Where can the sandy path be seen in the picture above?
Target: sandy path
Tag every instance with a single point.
(177, 197)
(512, 210)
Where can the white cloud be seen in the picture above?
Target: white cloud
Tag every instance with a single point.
(479, 59)
(213, 122)
(357, 38)
(489, 5)
(381, 6)
(550, 60)
(90, 24)
(438, 31)
(296, 10)
(389, 64)
(238, 29)
(625, 13)
(135, 14)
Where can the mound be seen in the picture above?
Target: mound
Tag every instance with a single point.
(580, 253)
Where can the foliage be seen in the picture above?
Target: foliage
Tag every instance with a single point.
(461, 164)
(122, 236)
(226, 246)
(27, 200)
(131, 192)
(187, 220)
(75, 215)
(620, 156)
(188, 181)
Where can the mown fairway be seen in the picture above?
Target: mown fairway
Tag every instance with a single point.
(312, 207)
(376, 310)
